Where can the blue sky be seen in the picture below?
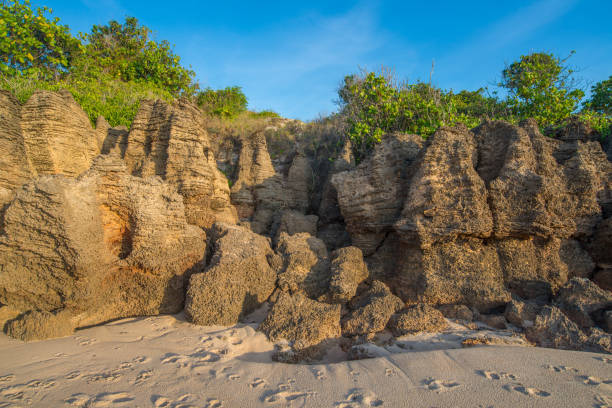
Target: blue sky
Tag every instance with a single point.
(291, 56)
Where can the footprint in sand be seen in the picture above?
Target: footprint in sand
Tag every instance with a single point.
(284, 397)
(603, 401)
(73, 375)
(213, 403)
(389, 372)
(492, 375)
(160, 401)
(85, 341)
(143, 376)
(561, 369)
(141, 359)
(7, 378)
(440, 385)
(257, 382)
(319, 375)
(105, 399)
(532, 392)
(604, 359)
(590, 380)
(358, 397)
(108, 376)
(197, 359)
(233, 377)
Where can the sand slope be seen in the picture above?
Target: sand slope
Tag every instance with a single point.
(165, 362)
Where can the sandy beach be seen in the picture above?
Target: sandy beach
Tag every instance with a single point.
(164, 361)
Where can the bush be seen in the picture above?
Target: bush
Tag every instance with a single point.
(116, 100)
(541, 86)
(227, 103)
(601, 97)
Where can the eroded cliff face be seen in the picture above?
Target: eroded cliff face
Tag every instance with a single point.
(102, 223)
(98, 247)
(474, 216)
(49, 134)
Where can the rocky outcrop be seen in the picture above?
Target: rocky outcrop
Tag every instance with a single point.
(293, 222)
(371, 311)
(170, 141)
(371, 196)
(580, 299)
(348, 270)
(306, 265)
(520, 313)
(417, 318)
(238, 279)
(554, 329)
(49, 134)
(99, 247)
(474, 216)
(305, 323)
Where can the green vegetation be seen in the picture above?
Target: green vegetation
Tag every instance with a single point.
(540, 86)
(226, 103)
(111, 68)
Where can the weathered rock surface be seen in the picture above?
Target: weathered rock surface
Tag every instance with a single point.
(49, 134)
(417, 318)
(554, 329)
(102, 246)
(461, 312)
(472, 217)
(304, 322)
(371, 196)
(371, 311)
(293, 222)
(305, 265)
(40, 325)
(238, 279)
(170, 141)
(348, 270)
(520, 313)
(580, 298)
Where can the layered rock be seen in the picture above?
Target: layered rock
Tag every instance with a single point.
(348, 270)
(170, 141)
(238, 279)
(580, 299)
(305, 323)
(474, 216)
(99, 247)
(417, 318)
(371, 196)
(49, 134)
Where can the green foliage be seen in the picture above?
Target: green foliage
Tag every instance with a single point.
(31, 42)
(264, 114)
(374, 104)
(541, 86)
(601, 97)
(598, 121)
(116, 100)
(226, 103)
(126, 51)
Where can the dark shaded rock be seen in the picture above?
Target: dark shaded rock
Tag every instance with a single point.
(495, 321)
(603, 278)
(461, 312)
(238, 279)
(348, 270)
(305, 323)
(580, 298)
(371, 311)
(417, 318)
(40, 325)
(520, 313)
(306, 265)
(293, 222)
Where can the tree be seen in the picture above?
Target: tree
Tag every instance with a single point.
(541, 86)
(601, 97)
(32, 43)
(127, 52)
(227, 103)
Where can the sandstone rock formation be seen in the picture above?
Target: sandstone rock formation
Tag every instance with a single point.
(520, 313)
(170, 141)
(99, 247)
(238, 279)
(417, 318)
(474, 216)
(580, 299)
(49, 134)
(371, 311)
(348, 270)
(305, 323)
